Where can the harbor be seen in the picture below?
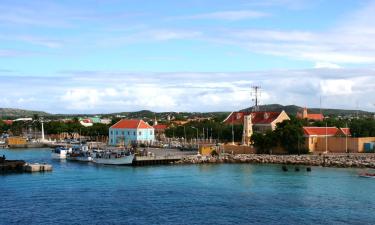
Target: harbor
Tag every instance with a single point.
(170, 192)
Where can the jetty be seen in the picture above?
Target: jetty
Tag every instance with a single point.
(20, 166)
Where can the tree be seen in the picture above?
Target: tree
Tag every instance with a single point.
(264, 142)
(290, 136)
(362, 128)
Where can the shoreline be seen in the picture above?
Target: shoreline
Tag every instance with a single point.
(352, 160)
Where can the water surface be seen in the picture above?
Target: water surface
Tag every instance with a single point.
(81, 193)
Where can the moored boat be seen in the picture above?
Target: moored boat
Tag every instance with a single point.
(113, 157)
(367, 175)
(60, 152)
(80, 153)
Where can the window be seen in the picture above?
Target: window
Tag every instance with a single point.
(123, 132)
(151, 132)
(134, 133)
(116, 132)
(140, 133)
(128, 133)
(111, 131)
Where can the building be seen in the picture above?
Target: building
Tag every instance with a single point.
(316, 138)
(310, 116)
(131, 132)
(160, 131)
(261, 121)
(256, 122)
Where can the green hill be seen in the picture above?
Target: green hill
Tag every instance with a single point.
(10, 113)
(293, 109)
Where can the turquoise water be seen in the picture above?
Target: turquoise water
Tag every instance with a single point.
(79, 193)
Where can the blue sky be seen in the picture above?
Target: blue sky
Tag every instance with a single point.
(81, 56)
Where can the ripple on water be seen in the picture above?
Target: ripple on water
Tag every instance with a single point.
(78, 193)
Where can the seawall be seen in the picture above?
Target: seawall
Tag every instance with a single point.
(326, 160)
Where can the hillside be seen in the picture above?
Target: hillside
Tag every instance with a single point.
(10, 113)
(293, 109)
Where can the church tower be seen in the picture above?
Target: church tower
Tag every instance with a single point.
(247, 130)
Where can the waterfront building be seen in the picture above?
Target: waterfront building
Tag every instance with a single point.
(160, 131)
(310, 116)
(131, 132)
(330, 139)
(261, 121)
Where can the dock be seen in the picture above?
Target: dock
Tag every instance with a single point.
(20, 166)
(155, 160)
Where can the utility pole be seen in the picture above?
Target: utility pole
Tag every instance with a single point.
(232, 133)
(320, 105)
(326, 139)
(346, 139)
(255, 95)
(185, 135)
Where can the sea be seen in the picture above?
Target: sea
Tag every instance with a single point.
(85, 193)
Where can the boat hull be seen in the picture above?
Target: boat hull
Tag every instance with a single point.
(80, 159)
(127, 160)
(61, 155)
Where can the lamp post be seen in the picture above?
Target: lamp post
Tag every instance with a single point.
(197, 138)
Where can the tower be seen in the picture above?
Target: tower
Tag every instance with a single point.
(247, 130)
(155, 121)
(42, 129)
(255, 94)
(304, 113)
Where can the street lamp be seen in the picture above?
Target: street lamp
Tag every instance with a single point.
(197, 138)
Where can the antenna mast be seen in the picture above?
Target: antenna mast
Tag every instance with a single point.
(320, 104)
(255, 96)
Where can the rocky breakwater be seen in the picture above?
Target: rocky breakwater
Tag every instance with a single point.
(327, 160)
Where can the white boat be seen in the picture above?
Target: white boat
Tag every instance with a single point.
(367, 175)
(113, 158)
(60, 152)
(80, 153)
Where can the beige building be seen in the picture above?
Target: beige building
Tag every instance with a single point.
(333, 140)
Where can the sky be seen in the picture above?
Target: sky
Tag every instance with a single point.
(104, 56)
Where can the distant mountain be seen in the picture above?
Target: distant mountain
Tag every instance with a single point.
(293, 109)
(10, 113)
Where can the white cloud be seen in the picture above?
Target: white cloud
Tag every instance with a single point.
(229, 15)
(336, 87)
(326, 65)
(108, 91)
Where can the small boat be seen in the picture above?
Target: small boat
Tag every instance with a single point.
(60, 152)
(113, 157)
(80, 153)
(367, 175)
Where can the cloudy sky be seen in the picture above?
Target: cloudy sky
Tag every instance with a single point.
(97, 56)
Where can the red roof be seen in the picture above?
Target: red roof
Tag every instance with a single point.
(257, 117)
(160, 127)
(8, 122)
(131, 124)
(344, 131)
(325, 131)
(316, 117)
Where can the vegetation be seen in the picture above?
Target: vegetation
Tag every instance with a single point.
(288, 135)
(362, 128)
(216, 129)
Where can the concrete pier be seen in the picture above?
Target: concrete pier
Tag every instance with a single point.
(36, 167)
(8, 166)
(20, 166)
